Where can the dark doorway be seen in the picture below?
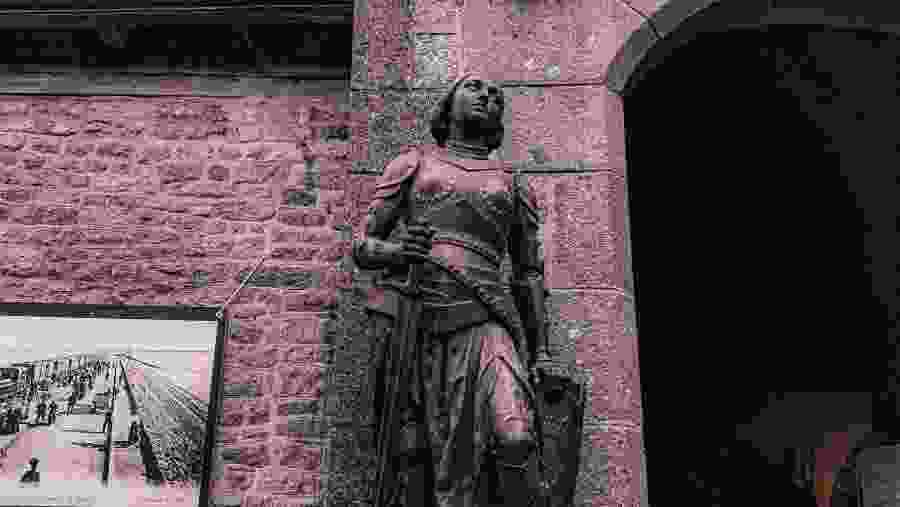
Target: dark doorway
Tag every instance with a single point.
(763, 247)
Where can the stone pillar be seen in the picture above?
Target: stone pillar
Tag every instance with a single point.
(569, 130)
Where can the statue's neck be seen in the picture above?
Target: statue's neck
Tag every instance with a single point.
(468, 150)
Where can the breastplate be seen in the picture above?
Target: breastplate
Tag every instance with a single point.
(473, 210)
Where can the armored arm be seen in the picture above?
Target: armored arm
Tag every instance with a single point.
(390, 203)
(528, 275)
(373, 251)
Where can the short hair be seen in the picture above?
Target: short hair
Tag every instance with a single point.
(440, 118)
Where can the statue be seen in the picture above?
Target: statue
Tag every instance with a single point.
(461, 429)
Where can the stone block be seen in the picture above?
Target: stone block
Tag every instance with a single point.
(241, 383)
(606, 348)
(280, 279)
(304, 354)
(310, 429)
(294, 454)
(302, 217)
(251, 356)
(433, 56)
(288, 481)
(299, 407)
(624, 448)
(584, 232)
(305, 329)
(560, 123)
(311, 301)
(236, 479)
(300, 380)
(436, 16)
(545, 41)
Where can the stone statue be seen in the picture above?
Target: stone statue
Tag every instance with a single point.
(468, 431)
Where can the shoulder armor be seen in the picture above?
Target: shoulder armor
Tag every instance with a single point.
(398, 171)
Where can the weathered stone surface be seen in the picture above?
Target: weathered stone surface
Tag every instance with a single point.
(300, 455)
(607, 348)
(302, 428)
(545, 41)
(306, 329)
(298, 197)
(236, 479)
(299, 407)
(303, 217)
(280, 279)
(251, 356)
(584, 231)
(311, 301)
(436, 16)
(288, 481)
(301, 353)
(567, 123)
(622, 443)
(300, 380)
(433, 56)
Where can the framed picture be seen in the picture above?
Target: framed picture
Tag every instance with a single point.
(108, 405)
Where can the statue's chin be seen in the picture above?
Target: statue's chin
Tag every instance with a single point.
(482, 122)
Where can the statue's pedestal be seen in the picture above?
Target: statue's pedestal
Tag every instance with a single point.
(879, 475)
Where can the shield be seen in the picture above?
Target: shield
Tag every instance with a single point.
(561, 403)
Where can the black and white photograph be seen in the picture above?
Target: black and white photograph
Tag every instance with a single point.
(105, 410)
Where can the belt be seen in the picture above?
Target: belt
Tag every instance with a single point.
(437, 318)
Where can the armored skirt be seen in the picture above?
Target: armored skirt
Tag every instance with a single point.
(470, 391)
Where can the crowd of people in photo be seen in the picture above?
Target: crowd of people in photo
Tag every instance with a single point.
(15, 411)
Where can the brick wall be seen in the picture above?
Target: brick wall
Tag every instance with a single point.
(172, 200)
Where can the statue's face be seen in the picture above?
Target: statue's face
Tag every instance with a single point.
(478, 100)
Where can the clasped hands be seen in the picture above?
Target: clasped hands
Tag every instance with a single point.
(415, 241)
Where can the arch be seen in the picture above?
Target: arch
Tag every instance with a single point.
(678, 22)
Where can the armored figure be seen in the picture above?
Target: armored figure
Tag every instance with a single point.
(470, 436)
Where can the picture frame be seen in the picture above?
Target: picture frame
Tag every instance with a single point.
(117, 404)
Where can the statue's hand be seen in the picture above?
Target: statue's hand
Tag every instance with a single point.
(416, 240)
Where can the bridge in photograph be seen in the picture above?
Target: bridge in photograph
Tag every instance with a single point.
(120, 420)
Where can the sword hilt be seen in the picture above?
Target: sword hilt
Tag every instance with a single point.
(416, 265)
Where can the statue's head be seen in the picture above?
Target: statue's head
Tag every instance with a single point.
(462, 105)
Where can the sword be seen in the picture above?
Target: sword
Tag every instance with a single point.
(399, 370)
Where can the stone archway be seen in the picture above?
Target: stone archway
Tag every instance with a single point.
(677, 23)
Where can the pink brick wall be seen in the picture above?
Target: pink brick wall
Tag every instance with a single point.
(167, 200)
